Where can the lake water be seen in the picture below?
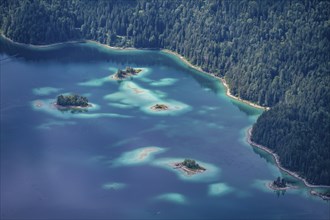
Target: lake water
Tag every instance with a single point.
(112, 161)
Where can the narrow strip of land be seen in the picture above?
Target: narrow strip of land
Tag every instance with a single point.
(278, 163)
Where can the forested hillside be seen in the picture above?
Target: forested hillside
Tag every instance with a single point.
(274, 53)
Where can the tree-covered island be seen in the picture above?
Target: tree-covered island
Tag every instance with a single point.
(72, 101)
(190, 167)
(279, 183)
(128, 72)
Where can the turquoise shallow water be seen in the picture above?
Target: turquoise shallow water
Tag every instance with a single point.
(112, 161)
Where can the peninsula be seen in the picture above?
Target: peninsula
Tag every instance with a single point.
(128, 72)
(322, 195)
(189, 166)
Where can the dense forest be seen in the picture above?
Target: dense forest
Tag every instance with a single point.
(274, 53)
(71, 101)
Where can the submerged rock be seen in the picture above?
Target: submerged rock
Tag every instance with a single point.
(159, 107)
(128, 72)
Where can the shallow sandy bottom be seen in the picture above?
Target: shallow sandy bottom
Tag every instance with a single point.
(52, 123)
(164, 82)
(96, 82)
(42, 91)
(176, 198)
(131, 94)
(114, 186)
(47, 106)
(219, 189)
(138, 156)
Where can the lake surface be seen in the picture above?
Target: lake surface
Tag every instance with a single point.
(113, 161)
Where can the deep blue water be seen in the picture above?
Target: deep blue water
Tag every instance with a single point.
(65, 165)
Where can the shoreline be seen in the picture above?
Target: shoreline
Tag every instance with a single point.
(324, 197)
(278, 163)
(183, 59)
(42, 45)
(228, 93)
(223, 81)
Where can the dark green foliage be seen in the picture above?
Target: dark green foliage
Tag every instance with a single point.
(72, 100)
(121, 74)
(191, 164)
(129, 71)
(34, 21)
(274, 53)
(297, 129)
(281, 183)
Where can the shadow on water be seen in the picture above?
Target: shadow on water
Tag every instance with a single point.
(270, 159)
(205, 81)
(279, 193)
(72, 111)
(82, 52)
(264, 155)
(248, 110)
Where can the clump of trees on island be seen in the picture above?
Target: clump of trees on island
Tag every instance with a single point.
(280, 183)
(192, 164)
(72, 101)
(129, 71)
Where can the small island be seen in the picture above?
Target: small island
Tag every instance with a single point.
(189, 166)
(64, 102)
(128, 72)
(279, 184)
(159, 107)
